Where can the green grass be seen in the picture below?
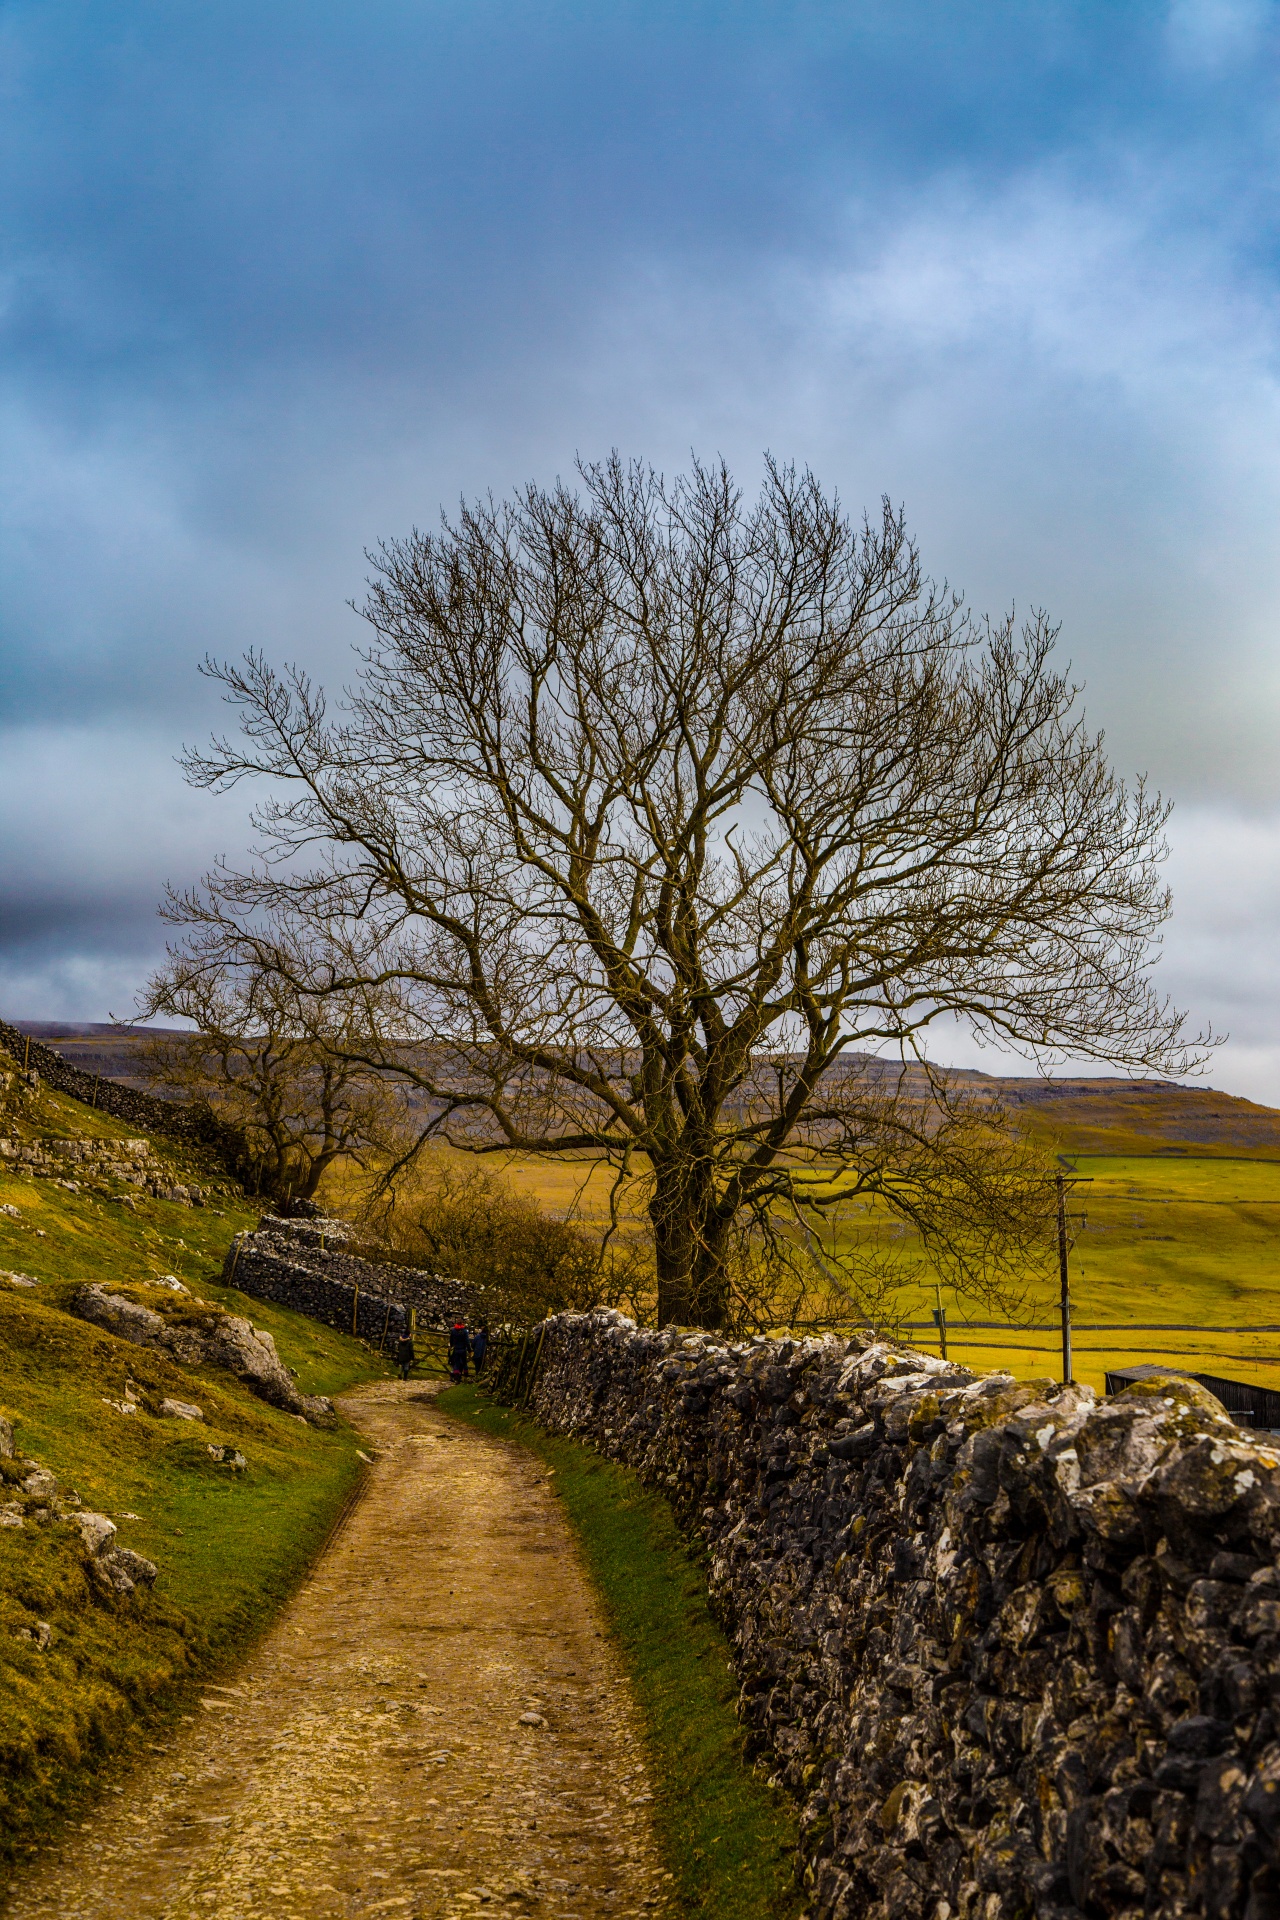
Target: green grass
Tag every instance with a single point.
(728, 1838)
(1161, 1238)
(230, 1547)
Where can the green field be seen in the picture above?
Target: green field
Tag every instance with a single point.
(1173, 1240)
(1167, 1235)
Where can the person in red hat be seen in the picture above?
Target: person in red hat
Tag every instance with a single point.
(459, 1351)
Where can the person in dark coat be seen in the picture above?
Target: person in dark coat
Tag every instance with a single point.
(479, 1347)
(406, 1358)
(459, 1351)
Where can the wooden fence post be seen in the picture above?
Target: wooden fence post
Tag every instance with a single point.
(533, 1371)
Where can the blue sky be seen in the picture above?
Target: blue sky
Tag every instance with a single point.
(279, 279)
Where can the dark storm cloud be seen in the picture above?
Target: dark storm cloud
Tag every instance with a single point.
(278, 280)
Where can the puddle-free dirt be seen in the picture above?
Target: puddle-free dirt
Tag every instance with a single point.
(369, 1757)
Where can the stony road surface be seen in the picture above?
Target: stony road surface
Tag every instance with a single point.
(370, 1757)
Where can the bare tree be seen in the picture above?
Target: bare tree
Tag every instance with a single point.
(652, 808)
(275, 1062)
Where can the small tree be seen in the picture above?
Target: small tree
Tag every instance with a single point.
(650, 810)
(517, 1262)
(275, 1063)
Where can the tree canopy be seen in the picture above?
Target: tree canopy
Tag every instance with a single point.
(652, 809)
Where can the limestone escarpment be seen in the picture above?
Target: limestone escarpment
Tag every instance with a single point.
(72, 1161)
(1016, 1652)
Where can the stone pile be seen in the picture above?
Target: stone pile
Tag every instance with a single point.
(1015, 1651)
(35, 1497)
(304, 1264)
(196, 1333)
(69, 1161)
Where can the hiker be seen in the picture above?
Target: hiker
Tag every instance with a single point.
(459, 1351)
(480, 1346)
(406, 1358)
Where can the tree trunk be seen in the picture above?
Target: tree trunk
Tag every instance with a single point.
(689, 1246)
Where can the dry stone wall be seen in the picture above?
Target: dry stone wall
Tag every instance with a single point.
(304, 1264)
(192, 1124)
(1015, 1651)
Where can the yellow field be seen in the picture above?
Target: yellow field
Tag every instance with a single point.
(1164, 1242)
(1170, 1239)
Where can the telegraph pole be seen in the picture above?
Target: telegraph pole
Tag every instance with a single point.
(1065, 1281)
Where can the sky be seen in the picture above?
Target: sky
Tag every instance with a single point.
(278, 280)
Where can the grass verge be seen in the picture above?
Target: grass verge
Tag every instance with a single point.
(729, 1839)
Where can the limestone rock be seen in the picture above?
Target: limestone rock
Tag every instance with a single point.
(181, 1410)
(123, 1562)
(96, 1531)
(127, 1319)
(205, 1336)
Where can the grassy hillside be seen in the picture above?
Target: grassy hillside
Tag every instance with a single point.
(1143, 1116)
(229, 1545)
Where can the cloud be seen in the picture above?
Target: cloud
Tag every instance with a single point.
(97, 820)
(1215, 33)
(276, 284)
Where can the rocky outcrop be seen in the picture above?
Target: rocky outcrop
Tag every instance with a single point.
(40, 1500)
(304, 1264)
(119, 1569)
(196, 1334)
(1016, 1652)
(69, 1161)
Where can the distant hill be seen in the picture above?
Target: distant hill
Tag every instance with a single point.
(1082, 1114)
(1144, 1116)
(98, 1047)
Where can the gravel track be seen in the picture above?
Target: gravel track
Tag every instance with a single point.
(369, 1757)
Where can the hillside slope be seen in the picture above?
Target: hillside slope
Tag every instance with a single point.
(1075, 1114)
(86, 1664)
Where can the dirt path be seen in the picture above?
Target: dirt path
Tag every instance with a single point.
(369, 1758)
